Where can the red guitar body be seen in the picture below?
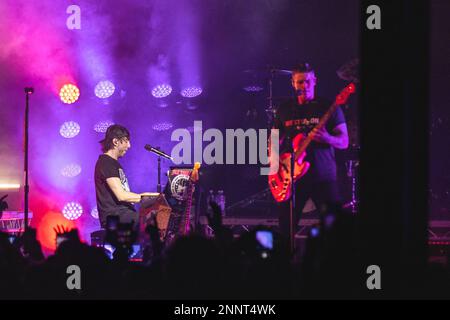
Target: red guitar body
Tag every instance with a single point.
(280, 182)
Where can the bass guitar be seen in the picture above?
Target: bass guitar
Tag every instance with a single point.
(280, 182)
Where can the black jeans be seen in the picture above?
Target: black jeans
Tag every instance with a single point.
(321, 193)
(125, 216)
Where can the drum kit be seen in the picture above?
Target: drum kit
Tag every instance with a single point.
(347, 72)
(254, 86)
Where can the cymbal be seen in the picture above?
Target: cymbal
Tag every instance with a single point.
(280, 98)
(281, 72)
(268, 71)
(349, 71)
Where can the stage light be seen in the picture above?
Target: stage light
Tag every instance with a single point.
(71, 170)
(163, 105)
(8, 186)
(102, 126)
(253, 88)
(191, 106)
(161, 91)
(69, 93)
(104, 89)
(94, 213)
(162, 126)
(191, 92)
(69, 129)
(47, 223)
(72, 211)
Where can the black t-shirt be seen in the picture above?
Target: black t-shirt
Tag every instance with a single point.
(107, 203)
(293, 119)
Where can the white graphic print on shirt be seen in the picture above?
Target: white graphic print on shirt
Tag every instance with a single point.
(123, 180)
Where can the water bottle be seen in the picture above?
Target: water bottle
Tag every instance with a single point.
(220, 199)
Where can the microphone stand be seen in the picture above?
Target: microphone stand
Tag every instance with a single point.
(292, 200)
(28, 92)
(271, 110)
(158, 186)
(351, 167)
(160, 154)
(272, 113)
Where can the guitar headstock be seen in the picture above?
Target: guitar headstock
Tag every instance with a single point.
(194, 174)
(342, 97)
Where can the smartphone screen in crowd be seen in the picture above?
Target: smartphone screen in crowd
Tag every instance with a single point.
(265, 239)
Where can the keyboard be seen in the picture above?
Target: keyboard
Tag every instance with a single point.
(14, 221)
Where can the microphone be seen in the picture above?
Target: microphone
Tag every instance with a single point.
(157, 151)
(29, 90)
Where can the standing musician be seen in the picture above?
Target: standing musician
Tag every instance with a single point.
(301, 115)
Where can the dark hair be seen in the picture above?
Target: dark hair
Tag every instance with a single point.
(114, 132)
(302, 68)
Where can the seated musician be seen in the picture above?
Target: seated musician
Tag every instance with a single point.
(111, 185)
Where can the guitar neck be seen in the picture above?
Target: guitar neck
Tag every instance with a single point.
(187, 212)
(322, 122)
(193, 178)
